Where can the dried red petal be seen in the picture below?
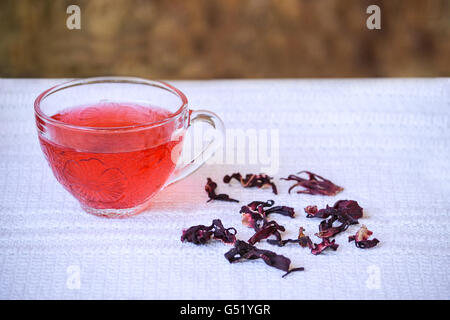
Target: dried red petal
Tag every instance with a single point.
(326, 229)
(345, 211)
(251, 218)
(254, 215)
(313, 212)
(303, 240)
(210, 189)
(349, 208)
(222, 233)
(202, 234)
(253, 180)
(197, 234)
(283, 210)
(326, 243)
(315, 184)
(361, 238)
(255, 204)
(243, 250)
(248, 220)
(270, 228)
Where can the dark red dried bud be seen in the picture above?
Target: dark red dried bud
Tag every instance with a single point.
(253, 180)
(243, 250)
(345, 211)
(202, 234)
(361, 238)
(326, 243)
(315, 184)
(270, 228)
(210, 189)
(226, 235)
(197, 234)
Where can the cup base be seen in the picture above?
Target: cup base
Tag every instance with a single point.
(117, 213)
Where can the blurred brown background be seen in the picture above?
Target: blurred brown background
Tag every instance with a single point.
(197, 39)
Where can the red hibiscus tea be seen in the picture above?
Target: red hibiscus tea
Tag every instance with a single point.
(105, 169)
(114, 142)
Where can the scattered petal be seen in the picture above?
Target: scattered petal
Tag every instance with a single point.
(345, 211)
(303, 240)
(326, 229)
(326, 243)
(361, 238)
(202, 234)
(253, 180)
(314, 184)
(254, 215)
(243, 250)
(285, 211)
(210, 189)
(269, 228)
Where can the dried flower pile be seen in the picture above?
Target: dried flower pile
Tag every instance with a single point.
(255, 215)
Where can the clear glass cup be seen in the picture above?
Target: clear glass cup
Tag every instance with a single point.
(114, 170)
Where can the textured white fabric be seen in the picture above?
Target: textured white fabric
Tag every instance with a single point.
(387, 142)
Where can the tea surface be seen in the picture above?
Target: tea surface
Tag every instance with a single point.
(103, 179)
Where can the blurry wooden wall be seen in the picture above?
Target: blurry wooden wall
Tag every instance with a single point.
(198, 39)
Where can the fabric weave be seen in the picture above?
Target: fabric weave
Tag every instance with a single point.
(386, 141)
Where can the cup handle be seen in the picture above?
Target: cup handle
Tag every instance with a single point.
(214, 121)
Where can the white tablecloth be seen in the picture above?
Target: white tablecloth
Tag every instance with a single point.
(387, 142)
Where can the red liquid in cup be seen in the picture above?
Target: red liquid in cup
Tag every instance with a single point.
(105, 169)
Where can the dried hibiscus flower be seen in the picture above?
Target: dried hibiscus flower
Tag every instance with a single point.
(210, 189)
(361, 238)
(202, 234)
(222, 233)
(345, 211)
(269, 228)
(243, 250)
(326, 243)
(326, 229)
(255, 204)
(254, 214)
(303, 240)
(253, 180)
(314, 184)
(349, 210)
(283, 210)
(253, 219)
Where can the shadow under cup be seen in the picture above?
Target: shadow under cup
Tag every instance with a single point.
(112, 171)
